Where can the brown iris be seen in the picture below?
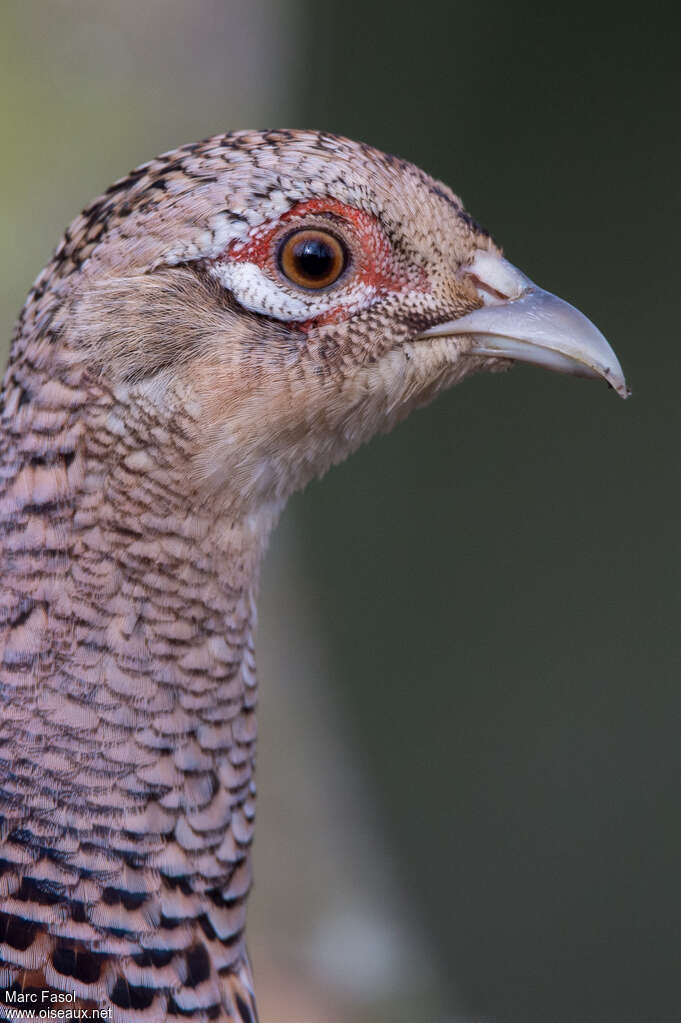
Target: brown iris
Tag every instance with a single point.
(312, 259)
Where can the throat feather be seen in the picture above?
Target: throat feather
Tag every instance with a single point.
(127, 739)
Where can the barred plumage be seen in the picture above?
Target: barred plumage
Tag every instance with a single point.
(168, 388)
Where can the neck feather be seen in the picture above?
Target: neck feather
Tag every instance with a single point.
(127, 671)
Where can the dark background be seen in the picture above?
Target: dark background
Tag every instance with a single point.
(491, 590)
(498, 576)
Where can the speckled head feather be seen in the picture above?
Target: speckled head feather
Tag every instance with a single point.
(168, 283)
(171, 381)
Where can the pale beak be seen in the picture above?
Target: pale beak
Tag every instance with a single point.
(520, 321)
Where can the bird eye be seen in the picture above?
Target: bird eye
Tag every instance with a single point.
(312, 259)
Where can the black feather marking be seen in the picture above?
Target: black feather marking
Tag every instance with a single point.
(198, 965)
(244, 1010)
(79, 963)
(17, 932)
(126, 996)
(129, 900)
(154, 957)
(175, 1010)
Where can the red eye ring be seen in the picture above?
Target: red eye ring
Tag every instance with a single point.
(312, 258)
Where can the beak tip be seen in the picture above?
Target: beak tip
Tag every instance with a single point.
(533, 326)
(616, 382)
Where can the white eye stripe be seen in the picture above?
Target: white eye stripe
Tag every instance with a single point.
(254, 290)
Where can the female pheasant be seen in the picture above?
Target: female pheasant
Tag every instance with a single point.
(216, 330)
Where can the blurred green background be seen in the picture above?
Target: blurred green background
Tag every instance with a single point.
(468, 634)
(501, 591)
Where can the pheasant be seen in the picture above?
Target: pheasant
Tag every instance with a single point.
(221, 326)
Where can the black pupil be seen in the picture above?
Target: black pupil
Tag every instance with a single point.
(314, 258)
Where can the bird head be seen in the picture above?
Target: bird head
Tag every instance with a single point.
(280, 297)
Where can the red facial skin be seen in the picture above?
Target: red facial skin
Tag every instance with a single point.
(372, 260)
